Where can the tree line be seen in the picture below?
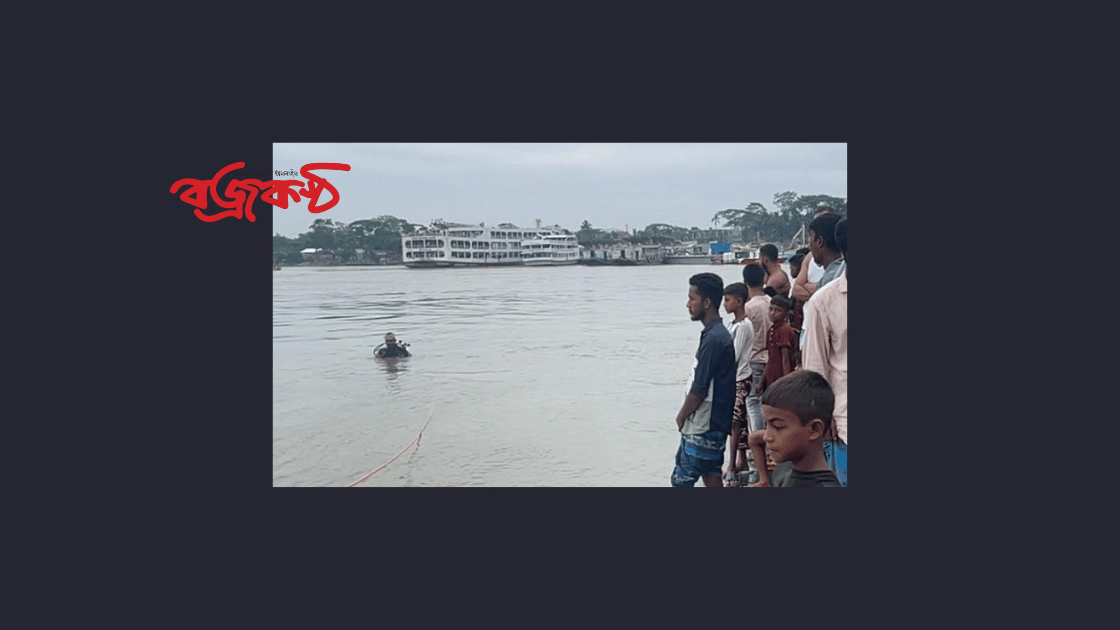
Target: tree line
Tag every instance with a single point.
(755, 222)
(344, 239)
(778, 226)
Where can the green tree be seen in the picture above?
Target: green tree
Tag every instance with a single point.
(756, 222)
(753, 222)
(812, 202)
(286, 250)
(795, 206)
(322, 234)
(382, 233)
(663, 231)
(588, 234)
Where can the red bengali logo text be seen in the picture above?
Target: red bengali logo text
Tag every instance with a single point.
(241, 193)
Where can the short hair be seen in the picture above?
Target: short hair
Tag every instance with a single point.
(738, 289)
(710, 286)
(823, 208)
(795, 260)
(842, 236)
(769, 250)
(781, 301)
(388, 335)
(804, 393)
(825, 227)
(803, 251)
(754, 275)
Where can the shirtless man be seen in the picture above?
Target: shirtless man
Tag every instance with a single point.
(775, 278)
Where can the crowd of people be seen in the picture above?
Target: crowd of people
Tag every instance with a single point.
(768, 391)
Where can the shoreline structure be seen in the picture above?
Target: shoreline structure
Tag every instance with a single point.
(445, 244)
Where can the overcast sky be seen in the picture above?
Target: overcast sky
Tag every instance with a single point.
(613, 186)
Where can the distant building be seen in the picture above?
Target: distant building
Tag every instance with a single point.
(318, 256)
(620, 251)
(729, 235)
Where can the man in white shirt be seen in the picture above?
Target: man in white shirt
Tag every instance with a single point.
(822, 251)
(826, 352)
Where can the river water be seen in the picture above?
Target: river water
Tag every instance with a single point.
(531, 376)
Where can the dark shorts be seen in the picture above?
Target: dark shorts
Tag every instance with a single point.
(698, 456)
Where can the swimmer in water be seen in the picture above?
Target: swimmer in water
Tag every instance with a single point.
(392, 349)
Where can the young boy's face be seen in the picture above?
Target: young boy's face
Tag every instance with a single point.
(778, 314)
(786, 438)
(794, 270)
(731, 303)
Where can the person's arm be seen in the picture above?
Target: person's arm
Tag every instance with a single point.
(783, 286)
(758, 452)
(814, 356)
(757, 379)
(732, 449)
(802, 288)
(814, 353)
(701, 379)
(787, 362)
(744, 337)
(690, 405)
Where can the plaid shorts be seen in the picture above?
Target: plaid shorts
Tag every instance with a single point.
(742, 389)
(698, 456)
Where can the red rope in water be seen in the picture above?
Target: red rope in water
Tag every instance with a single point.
(414, 441)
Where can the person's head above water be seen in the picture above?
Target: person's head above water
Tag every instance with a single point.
(390, 339)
